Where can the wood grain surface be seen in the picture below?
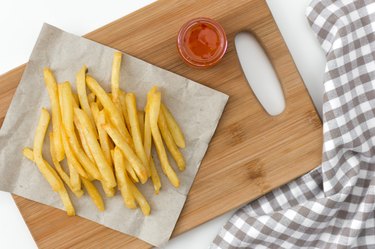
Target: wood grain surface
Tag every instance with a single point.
(251, 152)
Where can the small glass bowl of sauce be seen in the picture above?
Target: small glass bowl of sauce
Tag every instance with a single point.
(202, 42)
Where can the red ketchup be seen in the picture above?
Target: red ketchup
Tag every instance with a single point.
(202, 42)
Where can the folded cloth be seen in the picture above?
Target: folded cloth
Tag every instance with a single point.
(333, 206)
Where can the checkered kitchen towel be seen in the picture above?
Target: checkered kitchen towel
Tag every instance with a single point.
(333, 206)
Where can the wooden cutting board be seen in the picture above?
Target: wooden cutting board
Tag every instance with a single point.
(251, 152)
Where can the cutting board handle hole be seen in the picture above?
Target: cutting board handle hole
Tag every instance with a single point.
(260, 73)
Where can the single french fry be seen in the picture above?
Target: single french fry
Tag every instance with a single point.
(131, 106)
(155, 176)
(127, 151)
(141, 200)
(104, 167)
(82, 95)
(170, 143)
(85, 146)
(115, 114)
(94, 194)
(115, 79)
(67, 202)
(67, 104)
(99, 117)
(47, 171)
(154, 109)
(51, 85)
(124, 111)
(123, 179)
(141, 121)
(70, 155)
(173, 126)
(60, 170)
(147, 138)
(75, 180)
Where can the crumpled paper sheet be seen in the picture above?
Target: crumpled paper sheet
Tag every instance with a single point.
(197, 109)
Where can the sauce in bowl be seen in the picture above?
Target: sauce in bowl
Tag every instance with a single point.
(202, 42)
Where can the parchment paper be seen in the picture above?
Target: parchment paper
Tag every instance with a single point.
(197, 109)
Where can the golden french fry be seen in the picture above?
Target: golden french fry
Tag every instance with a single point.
(51, 85)
(123, 179)
(171, 145)
(75, 180)
(67, 202)
(115, 117)
(141, 200)
(155, 176)
(127, 151)
(131, 106)
(99, 117)
(85, 146)
(47, 171)
(115, 79)
(173, 126)
(70, 155)
(141, 121)
(147, 138)
(60, 170)
(67, 100)
(104, 167)
(82, 95)
(94, 194)
(124, 111)
(154, 109)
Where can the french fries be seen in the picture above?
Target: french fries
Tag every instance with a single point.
(68, 125)
(173, 126)
(115, 79)
(99, 117)
(124, 111)
(109, 106)
(104, 137)
(155, 177)
(94, 194)
(82, 95)
(51, 85)
(104, 168)
(128, 152)
(131, 106)
(141, 200)
(154, 108)
(123, 179)
(171, 145)
(45, 169)
(59, 169)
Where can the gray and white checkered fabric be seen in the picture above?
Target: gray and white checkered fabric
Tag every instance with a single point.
(333, 206)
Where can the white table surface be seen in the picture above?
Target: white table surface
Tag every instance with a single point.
(20, 23)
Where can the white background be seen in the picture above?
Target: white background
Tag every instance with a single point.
(20, 23)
